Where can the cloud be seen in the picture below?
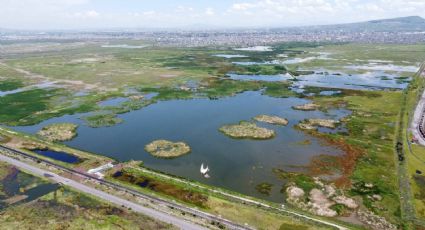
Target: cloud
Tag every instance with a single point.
(87, 14)
(209, 11)
(149, 13)
(31, 14)
(38, 4)
(184, 9)
(303, 12)
(244, 6)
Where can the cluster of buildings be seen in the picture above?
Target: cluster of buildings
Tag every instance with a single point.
(228, 37)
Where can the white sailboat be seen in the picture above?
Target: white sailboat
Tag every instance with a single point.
(204, 171)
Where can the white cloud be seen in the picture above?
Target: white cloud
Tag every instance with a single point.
(149, 13)
(184, 9)
(31, 14)
(91, 14)
(38, 4)
(243, 6)
(302, 12)
(209, 11)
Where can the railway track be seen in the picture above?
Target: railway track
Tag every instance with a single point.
(209, 217)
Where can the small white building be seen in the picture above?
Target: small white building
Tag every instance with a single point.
(98, 171)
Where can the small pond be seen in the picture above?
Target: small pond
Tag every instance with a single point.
(22, 188)
(60, 156)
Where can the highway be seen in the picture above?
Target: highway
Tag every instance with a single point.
(418, 122)
(103, 195)
(159, 215)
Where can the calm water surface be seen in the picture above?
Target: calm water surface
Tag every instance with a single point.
(371, 80)
(60, 156)
(16, 180)
(235, 164)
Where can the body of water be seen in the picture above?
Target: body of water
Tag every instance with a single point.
(228, 56)
(238, 165)
(268, 78)
(17, 180)
(60, 156)
(363, 81)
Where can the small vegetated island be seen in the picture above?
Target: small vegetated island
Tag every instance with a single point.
(306, 107)
(275, 120)
(247, 130)
(312, 124)
(167, 149)
(102, 120)
(59, 132)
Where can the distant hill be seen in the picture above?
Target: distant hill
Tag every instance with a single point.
(406, 24)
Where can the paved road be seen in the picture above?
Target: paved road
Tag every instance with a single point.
(418, 116)
(103, 195)
(418, 119)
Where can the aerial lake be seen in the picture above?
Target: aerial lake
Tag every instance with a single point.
(238, 165)
(363, 81)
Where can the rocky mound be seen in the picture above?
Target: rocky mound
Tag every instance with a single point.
(320, 200)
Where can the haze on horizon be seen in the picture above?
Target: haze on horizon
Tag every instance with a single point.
(98, 14)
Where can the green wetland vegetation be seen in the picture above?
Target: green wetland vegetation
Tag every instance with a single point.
(186, 94)
(9, 85)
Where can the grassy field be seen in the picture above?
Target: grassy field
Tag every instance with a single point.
(67, 209)
(371, 137)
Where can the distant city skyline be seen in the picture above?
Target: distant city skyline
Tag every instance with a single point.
(103, 14)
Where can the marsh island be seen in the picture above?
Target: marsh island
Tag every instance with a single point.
(59, 132)
(167, 149)
(247, 130)
(275, 120)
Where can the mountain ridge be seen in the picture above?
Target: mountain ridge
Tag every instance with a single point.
(399, 24)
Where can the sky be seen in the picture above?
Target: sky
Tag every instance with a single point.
(103, 14)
